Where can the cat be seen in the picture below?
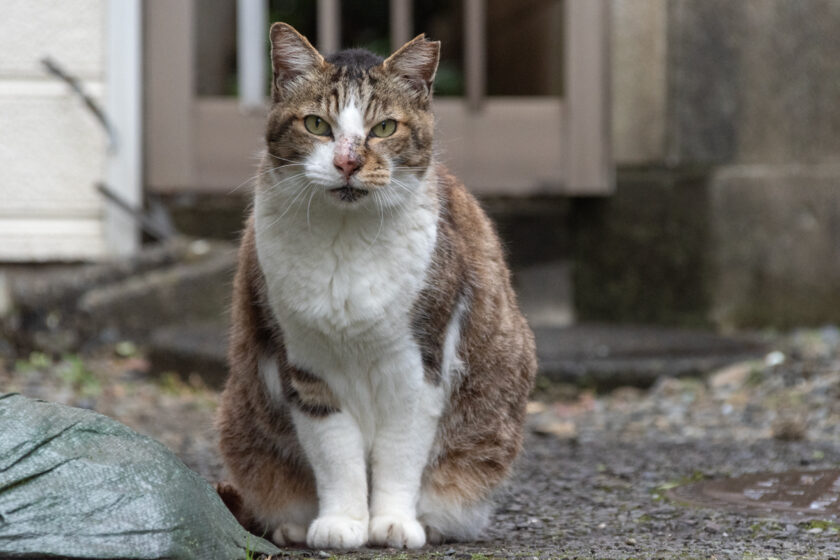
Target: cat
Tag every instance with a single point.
(379, 364)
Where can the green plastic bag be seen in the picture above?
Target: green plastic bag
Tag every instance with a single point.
(76, 484)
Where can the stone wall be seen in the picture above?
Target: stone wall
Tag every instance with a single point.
(747, 95)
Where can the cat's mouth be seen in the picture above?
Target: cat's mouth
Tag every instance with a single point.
(348, 193)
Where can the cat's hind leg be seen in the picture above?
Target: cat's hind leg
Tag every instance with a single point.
(451, 517)
(269, 472)
(279, 498)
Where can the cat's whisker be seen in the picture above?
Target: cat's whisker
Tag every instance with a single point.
(308, 205)
(255, 178)
(291, 161)
(381, 218)
(275, 190)
(262, 174)
(302, 199)
(289, 207)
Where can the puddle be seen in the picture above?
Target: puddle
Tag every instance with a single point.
(805, 493)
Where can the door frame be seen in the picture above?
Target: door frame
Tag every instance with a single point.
(557, 146)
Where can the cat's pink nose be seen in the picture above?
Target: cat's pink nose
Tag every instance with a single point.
(347, 163)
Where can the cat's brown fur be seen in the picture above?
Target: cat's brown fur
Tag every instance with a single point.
(480, 432)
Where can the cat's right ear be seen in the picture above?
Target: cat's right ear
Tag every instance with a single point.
(291, 56)
(416, 62)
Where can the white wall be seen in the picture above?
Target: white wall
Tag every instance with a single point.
(52, 150)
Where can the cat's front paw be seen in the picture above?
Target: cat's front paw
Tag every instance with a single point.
(334, 531)
(396, 531)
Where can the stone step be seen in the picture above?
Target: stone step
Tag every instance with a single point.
(74, 308)
(605, 356)
(600, 356)
(195, 349)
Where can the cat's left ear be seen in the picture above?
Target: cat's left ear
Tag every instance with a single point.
(417, 62)
(291, 56)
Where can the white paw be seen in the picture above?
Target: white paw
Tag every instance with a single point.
(289, 533)
(334, 531)
(396, 531)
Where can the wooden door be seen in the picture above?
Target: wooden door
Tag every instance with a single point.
(497, 144)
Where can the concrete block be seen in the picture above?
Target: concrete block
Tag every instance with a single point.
(776, 238)
(704, 41)
(608, 356)
(639, 86)
(642, 255)
(790, 82)
(198, 291)
(753, 81)
(70, 308)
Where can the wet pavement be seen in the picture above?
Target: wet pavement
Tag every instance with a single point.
(808, 494)
(633, 473)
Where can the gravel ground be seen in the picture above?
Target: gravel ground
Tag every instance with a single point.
(592, 482)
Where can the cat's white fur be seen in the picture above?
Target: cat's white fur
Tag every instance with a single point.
(341, 282)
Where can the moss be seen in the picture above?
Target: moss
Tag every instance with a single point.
(641, 255)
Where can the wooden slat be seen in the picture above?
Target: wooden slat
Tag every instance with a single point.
(588, 138)
(513, 146)
(401, 17)
(475, 56)
(251, 52)
(169, 91)
(527, 158)
(45, 239)
(225, 160)
(329, 26)
(125, 104)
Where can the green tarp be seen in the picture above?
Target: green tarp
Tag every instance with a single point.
(76, 484)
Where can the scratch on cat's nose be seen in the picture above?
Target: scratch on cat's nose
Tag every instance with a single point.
(347, 159)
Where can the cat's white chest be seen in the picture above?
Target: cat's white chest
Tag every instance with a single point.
(346, 276)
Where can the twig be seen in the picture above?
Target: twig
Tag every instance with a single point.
(55, 69)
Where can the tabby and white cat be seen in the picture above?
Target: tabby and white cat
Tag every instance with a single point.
(379, 364)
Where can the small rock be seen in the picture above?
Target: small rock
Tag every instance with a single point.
(557, 428)
(630, 541)
(789, 429)
(774, 358)
(731, 377)
(534, 407)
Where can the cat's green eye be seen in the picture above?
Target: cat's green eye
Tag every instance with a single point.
(384, 129)
(316, 125)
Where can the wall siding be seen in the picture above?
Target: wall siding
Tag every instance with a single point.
(52, 151)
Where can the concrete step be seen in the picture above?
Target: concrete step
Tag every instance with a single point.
(198, 348)
(73, 308)
(605, 356)
(600, 356)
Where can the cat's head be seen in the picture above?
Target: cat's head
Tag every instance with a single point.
(351, 124)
